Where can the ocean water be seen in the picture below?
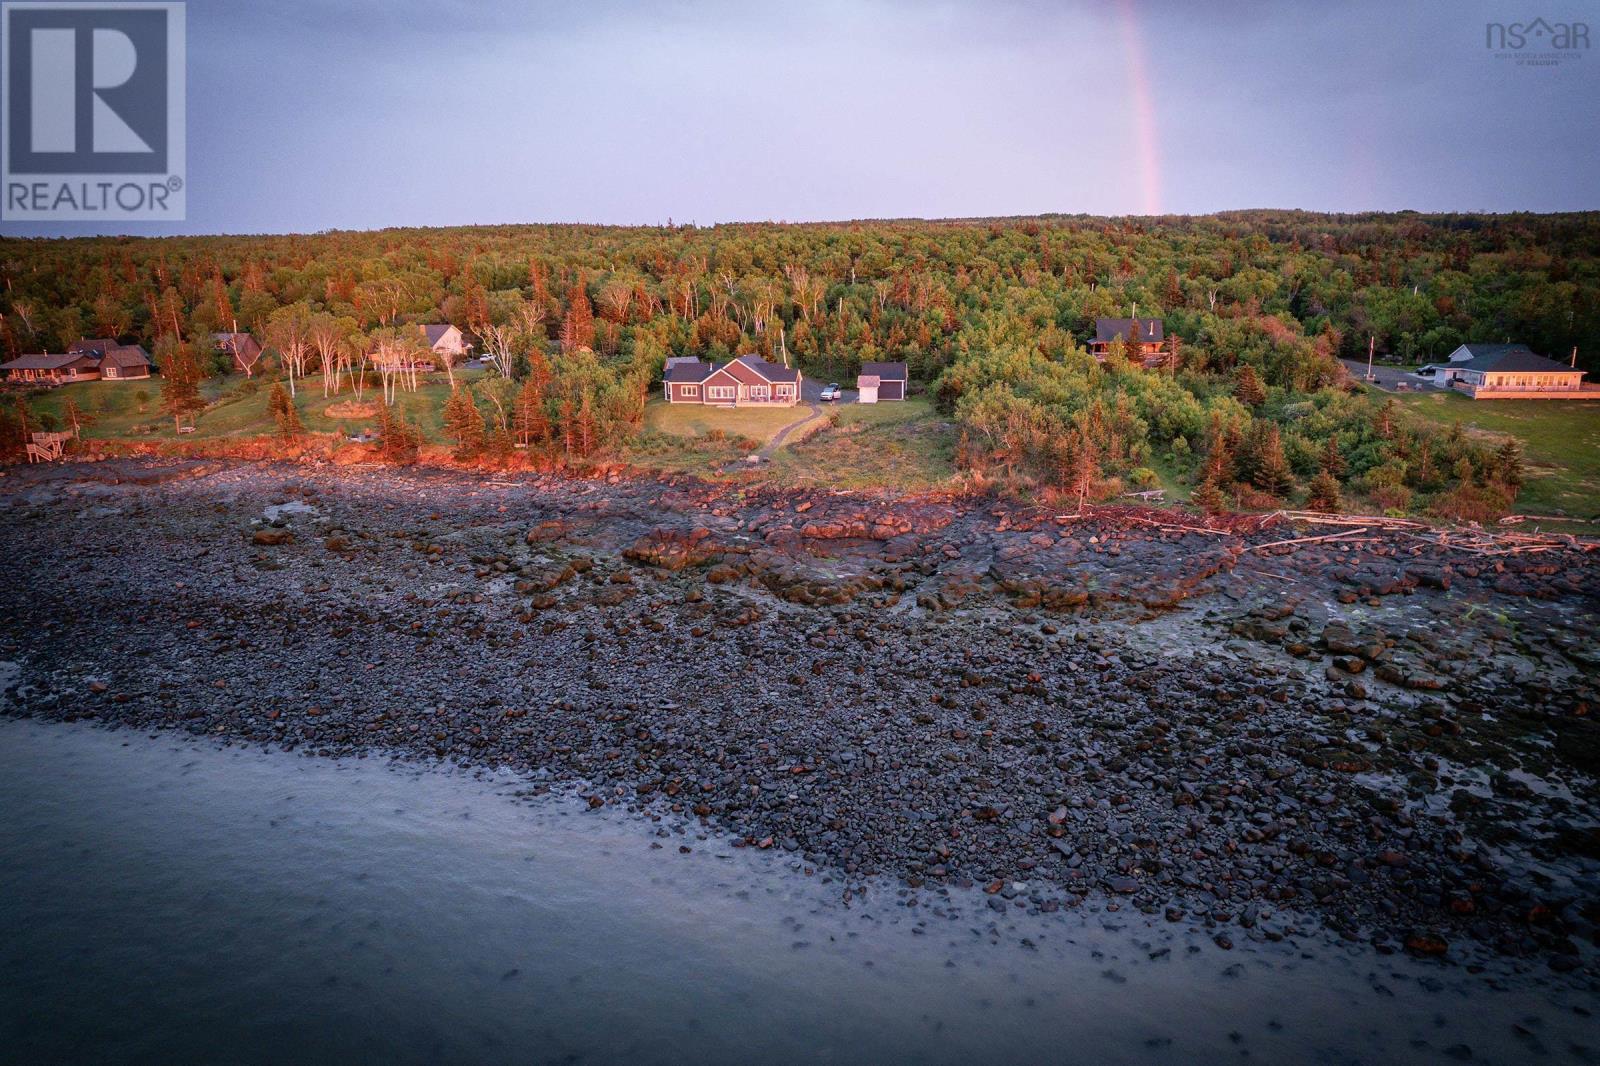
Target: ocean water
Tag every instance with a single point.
(168, 900)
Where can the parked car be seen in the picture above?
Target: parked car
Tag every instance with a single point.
(830, 391)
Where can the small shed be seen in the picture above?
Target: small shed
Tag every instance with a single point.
(890, 380)
(868, 385)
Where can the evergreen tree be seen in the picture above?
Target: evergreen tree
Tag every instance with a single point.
(1324, 494)
(284, 412)
(1247, 387)
(180, 380)
(1268, 467)
(464, 423)
(1209, 497)
(529, 419)
(1508, 465)
(1385, 423)
(399, 442)
(1331, 461)
(577, 328)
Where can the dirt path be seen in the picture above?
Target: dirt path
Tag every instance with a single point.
(783, 434)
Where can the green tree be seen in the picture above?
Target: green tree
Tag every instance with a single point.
(283, 410)
(1248, 388)
(180, 381)
(464, 424)
(1323, 494)
(1508, 465)
(399, 442)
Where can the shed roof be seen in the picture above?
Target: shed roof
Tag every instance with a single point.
(885, 371)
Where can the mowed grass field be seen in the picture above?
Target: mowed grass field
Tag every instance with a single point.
(1561, 440)
(900, 445)
(132, 409)
(758, 424)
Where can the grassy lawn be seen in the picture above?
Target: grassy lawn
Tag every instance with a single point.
(903, 445)
(759, 424)
(1561, 440)
(132, 409)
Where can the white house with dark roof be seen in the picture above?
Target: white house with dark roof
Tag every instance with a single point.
(1509, 371)
(444, 339)
(748, 381)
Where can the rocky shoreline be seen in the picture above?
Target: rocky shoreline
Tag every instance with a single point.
(1393, 734)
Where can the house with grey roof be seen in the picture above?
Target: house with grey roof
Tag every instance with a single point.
(84, 361)
(46, 369)
(242, 348)
(125, 362)
(1509, 371)
(1143, 339)
(444, 339)
(748, 381)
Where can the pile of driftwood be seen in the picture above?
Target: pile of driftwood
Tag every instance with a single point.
(1470, 539)
(1350, 529)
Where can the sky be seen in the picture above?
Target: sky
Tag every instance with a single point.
(307, 116)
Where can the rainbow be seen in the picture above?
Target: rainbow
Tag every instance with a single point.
(1144, 112)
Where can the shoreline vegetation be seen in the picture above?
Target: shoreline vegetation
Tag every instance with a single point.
(1242, 403)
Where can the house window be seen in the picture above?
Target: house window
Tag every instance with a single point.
(689, 390)
(719, 392)
(760, 392)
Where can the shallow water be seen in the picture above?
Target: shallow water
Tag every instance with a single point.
(170, 900)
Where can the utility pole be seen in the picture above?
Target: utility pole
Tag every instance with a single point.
(1371, 342)
(1574, 357)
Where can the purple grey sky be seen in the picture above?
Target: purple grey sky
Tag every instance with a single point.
(307, 116)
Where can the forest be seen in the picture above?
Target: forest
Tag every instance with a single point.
(991, 315)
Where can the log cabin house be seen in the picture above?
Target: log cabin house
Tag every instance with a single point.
(748, 381)
(1148, 343)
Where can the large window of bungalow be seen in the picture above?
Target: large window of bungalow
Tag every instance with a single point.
(760, 393)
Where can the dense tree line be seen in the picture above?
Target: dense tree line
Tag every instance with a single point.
(991, 314)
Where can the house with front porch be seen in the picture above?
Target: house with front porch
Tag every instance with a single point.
(748, 381)
(1509, 371)
(45, 369)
